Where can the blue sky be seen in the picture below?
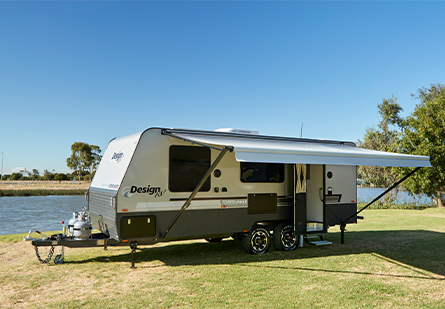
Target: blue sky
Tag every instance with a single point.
(91, 71)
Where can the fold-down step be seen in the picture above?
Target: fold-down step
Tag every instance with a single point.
(319, 242)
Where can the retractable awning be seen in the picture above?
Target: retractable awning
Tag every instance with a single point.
(281, 150)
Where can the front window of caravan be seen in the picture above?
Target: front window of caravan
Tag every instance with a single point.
(188, 164)
(262, 172)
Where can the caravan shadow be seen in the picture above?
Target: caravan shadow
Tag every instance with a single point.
(407, 248)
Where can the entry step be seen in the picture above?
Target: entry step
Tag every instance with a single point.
(320, 243)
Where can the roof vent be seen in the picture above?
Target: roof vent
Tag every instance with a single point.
(238, 131)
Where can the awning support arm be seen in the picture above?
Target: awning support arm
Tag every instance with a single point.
(165, 132)
(198, 187)
(343, 223)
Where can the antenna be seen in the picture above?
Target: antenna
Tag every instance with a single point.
(301, 132)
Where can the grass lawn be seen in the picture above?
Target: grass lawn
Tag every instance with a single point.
(392, 259)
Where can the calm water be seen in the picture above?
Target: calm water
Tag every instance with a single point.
(46, 213)
(368, 194)
(43, 213)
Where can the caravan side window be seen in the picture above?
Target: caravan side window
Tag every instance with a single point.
(262, 172)
(188, 164)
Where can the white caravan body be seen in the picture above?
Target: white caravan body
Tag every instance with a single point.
(144, 190)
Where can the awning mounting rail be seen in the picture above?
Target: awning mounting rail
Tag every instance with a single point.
(165, 132)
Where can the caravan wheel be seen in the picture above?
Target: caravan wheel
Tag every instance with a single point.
(257, 241)
(284, 238)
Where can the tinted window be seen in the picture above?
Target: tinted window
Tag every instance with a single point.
(188, 164)
(262, 172)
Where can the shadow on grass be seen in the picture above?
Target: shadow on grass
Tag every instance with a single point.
(414, 250)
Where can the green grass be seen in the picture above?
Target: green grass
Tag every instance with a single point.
(392, 259)
(394, 205)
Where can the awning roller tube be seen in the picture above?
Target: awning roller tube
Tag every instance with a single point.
(294, 151)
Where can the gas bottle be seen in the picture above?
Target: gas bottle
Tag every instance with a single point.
(72, 221)
(82, 229)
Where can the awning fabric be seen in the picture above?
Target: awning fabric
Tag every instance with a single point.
(291, 151)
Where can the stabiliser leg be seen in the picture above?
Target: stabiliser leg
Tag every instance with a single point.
(342, 229)
(133, 246)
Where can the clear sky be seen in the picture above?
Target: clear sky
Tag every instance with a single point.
(91, 71)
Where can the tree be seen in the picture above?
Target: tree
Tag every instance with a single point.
(47, 175)
(15, 176)
(83, 157)
(78, 158)
(424, 134)
(35, 174)
(383, 139)
(95, 159)
(60, 177)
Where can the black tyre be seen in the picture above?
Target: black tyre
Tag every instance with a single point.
(257, 241)
(284, 238)
(59, 259)
(214, 239)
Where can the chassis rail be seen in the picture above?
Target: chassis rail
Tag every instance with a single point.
(96, 240)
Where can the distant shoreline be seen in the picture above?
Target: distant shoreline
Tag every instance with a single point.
(41, 192)
(42, 188)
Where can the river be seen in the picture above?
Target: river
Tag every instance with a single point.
(365, 195)
(46, 213)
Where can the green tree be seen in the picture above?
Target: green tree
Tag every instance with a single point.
(95, 159)
(60, 177)
(83, 157)
(15, 176)
(382, 138)
(35, 174)
(47, 175)
(79, 157)
(424, 134)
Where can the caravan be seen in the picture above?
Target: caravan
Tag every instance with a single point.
(164, 185)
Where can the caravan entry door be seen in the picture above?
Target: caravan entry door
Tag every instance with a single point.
(325, 195)
(315, 190)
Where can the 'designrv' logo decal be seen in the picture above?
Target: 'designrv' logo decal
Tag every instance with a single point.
(117, 156)
(126, 192)
(129, 191)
